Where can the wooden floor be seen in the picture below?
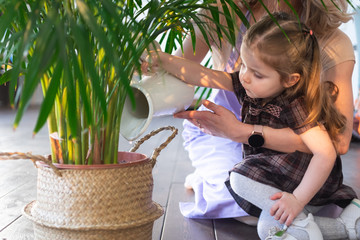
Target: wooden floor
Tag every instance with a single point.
(18, 183)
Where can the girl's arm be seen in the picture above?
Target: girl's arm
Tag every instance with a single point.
(288, 205)
(188, 71)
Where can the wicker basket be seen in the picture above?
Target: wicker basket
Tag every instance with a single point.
(97, 201)
(129, 232)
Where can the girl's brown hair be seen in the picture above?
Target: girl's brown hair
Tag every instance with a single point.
(290, 47)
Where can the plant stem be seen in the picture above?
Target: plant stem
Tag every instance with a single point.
(52, 117)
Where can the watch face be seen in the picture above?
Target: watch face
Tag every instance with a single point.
(256, 140)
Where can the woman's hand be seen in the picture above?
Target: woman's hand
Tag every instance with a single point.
(286, 208)
(150, 62)
(219, 121)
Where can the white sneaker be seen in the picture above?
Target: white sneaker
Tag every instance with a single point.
(279, 234)
(308, 225)
(349, 218)
(248, 220)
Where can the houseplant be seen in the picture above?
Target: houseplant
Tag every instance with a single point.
(84, 54)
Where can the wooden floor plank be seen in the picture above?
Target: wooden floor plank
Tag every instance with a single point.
(21, 229)
(12, 204)
(158, 227)
(16, 173)
(176, 227)
(351, 167)
(163, 171)
(230, 229)
(183, 165)
(22, 138)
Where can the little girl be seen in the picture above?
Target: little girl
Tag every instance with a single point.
(279, 86)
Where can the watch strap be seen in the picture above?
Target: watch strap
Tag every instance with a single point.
(258, 129)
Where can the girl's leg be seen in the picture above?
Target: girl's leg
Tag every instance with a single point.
(350, 217)
(330, 226)
(259, 194)
(343, 224)
(346, 226)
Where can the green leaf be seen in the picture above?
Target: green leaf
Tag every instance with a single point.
(44, 46)
(49, 98)
(170, 41)
(6, 19)
(85, 50)
(94, 26)
(229, 21)
(83, 87)
(5, 77)
(239, 13)
(71, 99)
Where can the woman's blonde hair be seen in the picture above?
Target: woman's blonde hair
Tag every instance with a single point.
(324, 16)
(290, 47)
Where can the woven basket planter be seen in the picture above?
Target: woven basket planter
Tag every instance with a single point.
(112, 201)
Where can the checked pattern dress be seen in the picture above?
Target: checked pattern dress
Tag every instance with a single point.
(283, 170)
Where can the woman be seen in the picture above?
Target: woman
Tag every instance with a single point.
(206, 152)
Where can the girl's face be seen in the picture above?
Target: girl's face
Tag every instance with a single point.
(259, 79)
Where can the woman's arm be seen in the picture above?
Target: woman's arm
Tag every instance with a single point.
(188, 71)
(222, 123)
(341, 75)
(288, 205)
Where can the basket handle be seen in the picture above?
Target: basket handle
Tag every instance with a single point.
(33, 158)
(157, 150)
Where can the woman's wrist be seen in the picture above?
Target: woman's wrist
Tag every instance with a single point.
(242, 133)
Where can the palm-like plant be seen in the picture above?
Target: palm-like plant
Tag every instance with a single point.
(84, 54)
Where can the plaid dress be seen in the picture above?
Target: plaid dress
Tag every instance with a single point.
(282, 170)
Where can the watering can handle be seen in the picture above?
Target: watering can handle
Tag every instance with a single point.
(157, 151)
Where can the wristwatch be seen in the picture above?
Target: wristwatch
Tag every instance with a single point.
(256, 138)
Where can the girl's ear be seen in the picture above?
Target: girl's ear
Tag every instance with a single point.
(292, 80)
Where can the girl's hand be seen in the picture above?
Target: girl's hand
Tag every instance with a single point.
(218, 122)
(286, 208)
